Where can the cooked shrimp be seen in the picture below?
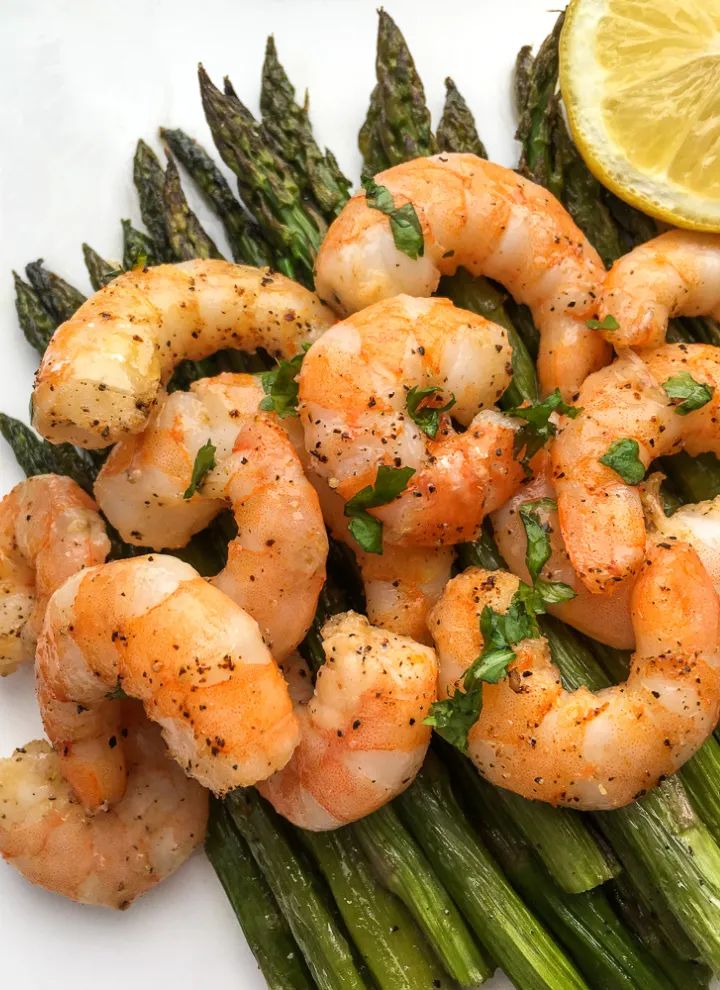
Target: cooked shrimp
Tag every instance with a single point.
(113, 857)
(698, 525)
(276, 565)
(604, 617)
(104, 368)
(49, 529)
(675, 274)
(592, 750)
(354, 385)
(153, 627)
(491, 221)
(362, 734)
(601, 515)
(401, 584)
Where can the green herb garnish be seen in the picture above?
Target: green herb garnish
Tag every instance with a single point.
(692, 395)
(366, 529)
(204, 462)
(607, 323)
(623, 457)
(423, 412)
(281, 387)
(404, 223)
(538, 428)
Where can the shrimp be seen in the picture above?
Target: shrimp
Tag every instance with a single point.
(401, 584)
(113, 857)
(675, 274)
(153, 627)
(604, 617)
(49, 529)
(592, 750)
(491, 221)
(363, 738)
(103, 370)
(353, 391)
(276, 565)
(601, 515)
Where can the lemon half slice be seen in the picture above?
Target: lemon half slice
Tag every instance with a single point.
(641, 83)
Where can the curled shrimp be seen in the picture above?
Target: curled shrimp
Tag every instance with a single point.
(353, 389)
(153, 627)
(103, 369)
(113, 857)
(592, 750)
(675, 274)
(491, 221)
(600, 513)
(276, 564)
(605, 617)
(362, 736)
(49, 529)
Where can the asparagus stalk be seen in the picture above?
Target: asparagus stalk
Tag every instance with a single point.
(266, 930)
(263, 179)
(99, 270)
(585, 923)
(379, 924)
(37, 456)
(246, 242)
(185, 233)
(456, 130)
(373, 154)
(300, 897)
(402, 867)
(138, 249)
(509, 931)
(149, 179)
(288, 127)
(59, 298)
(36, 323)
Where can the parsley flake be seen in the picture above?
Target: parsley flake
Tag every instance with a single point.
(692, 395)
(423, 411)
(538, 428)
(204, 462)
(366, 529)
(538, 541)
(281, 387)
(623, 457)
(404, 223)
(607, 323)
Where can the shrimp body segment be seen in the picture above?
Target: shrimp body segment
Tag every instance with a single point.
(152, 626)
(600, 514)
(276, 564)
(113, 857)
(102, 372)
(353, 389)
(592, 750)
(675, 274)
(362, 734)
(491, 221)
(49, 529)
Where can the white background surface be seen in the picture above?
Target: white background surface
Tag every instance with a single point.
(81, 81)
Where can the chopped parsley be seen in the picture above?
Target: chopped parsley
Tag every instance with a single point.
(404, 223)
(424, 411)
(204, 462)
(538, 428)
(607, 323)
(623, 456)
(366, 529)
(281, 387)
(689, 394)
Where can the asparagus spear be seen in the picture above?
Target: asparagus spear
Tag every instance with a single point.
(585, 923)
(246, 242)
(138, 249)
(300, 897)
(401, 866)
(502, 922)
(185, 233)
(59, 298)
(288, 127)
(100, 271)
(36, 323)
(535, 83)
(266, 930)
(374, 158)
(37, 456)
(263, 179)
(149, 181)
(379, 924)
(456, 130)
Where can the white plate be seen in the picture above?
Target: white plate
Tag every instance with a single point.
(81, 81)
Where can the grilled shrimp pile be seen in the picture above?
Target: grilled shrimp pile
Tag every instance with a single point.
(157, 685)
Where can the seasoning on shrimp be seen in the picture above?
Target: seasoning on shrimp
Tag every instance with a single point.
(491, 221)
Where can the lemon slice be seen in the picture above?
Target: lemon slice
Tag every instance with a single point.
(641, 83)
